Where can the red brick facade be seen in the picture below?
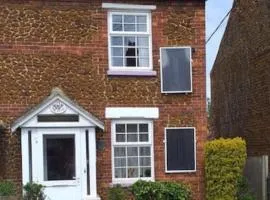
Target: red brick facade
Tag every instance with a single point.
(47, 44)
(241, 77)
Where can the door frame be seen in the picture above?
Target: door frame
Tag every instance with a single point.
(28, 139)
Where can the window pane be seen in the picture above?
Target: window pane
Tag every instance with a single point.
(117, 51)
(146, 161)
(143, 128)
(144, 138)
(117, 27)
(120, 128)
(129, 27)
(132, 151)
(132, 128)
(117, 41)
(120, 173)
(141, 28)
(130, 41)
(143, 62)
(141, 19)
(120, 162)
(144, 151)
(143, 52)
(130, 62)
(119, 151)
(143, 41)
(129, 19)
(117, 18)
(133, 172)
(120, 138)
(145, 172)
(133, 162)
(117, 61)
(59, 157)
(132, 138)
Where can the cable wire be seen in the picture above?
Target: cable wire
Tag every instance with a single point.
(219, 25)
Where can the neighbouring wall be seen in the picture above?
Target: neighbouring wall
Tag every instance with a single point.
(240, 78)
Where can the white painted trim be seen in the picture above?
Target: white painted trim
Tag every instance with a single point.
(25, 157)
(123, 33)
(128, 6)
(132, 112)
(195, 159)
(92, 162)
(130, 181)
(161, 77)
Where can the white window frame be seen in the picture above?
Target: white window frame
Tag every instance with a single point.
(146, 13)
(195, 159)
(161, 72)
(129, 181)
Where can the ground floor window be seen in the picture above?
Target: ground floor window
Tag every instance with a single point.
(132, 151)
(180, 145)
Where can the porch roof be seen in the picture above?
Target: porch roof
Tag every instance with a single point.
(56, 93)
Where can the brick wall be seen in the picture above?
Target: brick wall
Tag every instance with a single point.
(39, 50)
(241, 77)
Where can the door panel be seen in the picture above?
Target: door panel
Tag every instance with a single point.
(57, 163)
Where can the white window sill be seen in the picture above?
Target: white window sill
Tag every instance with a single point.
(129, 183)
(131, 73)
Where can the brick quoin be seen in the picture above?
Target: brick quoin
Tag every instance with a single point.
(36, 55)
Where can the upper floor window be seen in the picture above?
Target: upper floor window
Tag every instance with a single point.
(130, 41)
(176, 69)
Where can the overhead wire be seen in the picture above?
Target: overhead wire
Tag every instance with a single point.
(220, 24)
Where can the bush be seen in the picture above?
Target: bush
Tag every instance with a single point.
(144, 190)
(33, 191)
(7, 188)
(117, 193)
(224, 163)
(243, 191)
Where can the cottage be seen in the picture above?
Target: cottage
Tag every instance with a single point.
(95, 94)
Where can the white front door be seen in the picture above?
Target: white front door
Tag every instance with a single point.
(58, 162)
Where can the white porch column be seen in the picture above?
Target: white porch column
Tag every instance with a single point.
(25, 156)
(92, 164)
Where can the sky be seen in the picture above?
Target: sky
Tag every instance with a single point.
(215, 11)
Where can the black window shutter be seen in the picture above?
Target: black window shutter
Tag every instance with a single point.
(176, 70)
(180, 149)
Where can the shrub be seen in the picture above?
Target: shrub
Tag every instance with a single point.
(117, 193)
(7, 188)
(243, 191)
(144, 190)
(224, 163)
(33, 191)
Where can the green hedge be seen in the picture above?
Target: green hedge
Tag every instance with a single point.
(7, 188)
(144, 190)
(224, 163)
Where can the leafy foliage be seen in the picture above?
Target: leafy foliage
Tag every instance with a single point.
(224, 163)
(243, 191)
(117, 193)
(34, 191)
(144, 190)
(7, 188)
